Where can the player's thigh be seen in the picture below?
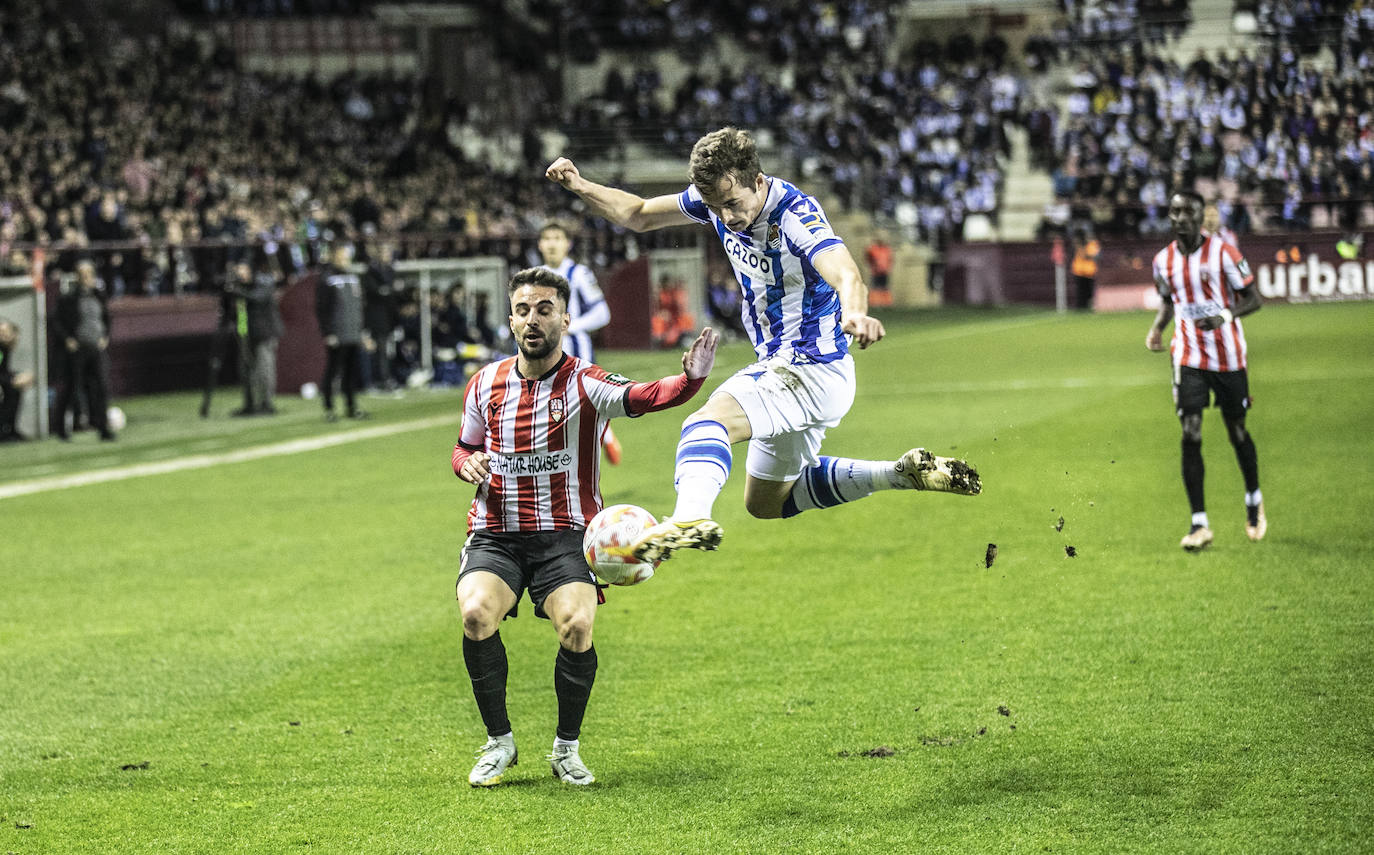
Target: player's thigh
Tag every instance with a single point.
(778, 397)
(1231, 390)
(723, 408)
(781, 459)
(558, 563)
(490, 578)
(1192, 393)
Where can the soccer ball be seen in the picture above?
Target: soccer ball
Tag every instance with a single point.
(114, 419)
(607, 541)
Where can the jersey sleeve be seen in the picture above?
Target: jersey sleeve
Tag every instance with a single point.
(1235, 268)
(1162, 276)
(805, 229)
(690, 202)
(472, 433)
(608, 392)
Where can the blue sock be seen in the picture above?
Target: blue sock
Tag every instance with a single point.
(834, 481)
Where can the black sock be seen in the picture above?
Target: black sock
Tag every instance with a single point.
(1248, 459)
(573, 675)
(1192, 474)
(486, 661)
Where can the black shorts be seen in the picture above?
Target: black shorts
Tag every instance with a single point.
(539, 561)
(1194, 390)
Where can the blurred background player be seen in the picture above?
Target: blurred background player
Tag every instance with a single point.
(587, 307)
(805, 302)
(1205, 286)
(1213, 225)
(528, 440)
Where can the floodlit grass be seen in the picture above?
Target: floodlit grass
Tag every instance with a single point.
(264, 656)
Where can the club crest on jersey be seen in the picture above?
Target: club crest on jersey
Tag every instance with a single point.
(774, 236)
(556, 410)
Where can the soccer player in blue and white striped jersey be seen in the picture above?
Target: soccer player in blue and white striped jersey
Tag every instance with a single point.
(804, 303)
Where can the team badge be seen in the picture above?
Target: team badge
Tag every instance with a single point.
(774, 236)
(556, 411)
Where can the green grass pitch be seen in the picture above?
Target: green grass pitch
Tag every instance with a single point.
(264, 657)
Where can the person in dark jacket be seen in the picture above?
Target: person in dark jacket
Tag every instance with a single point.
(12, 382)
(260, 327)
(82, 325)
(339, 309)
(380, 314)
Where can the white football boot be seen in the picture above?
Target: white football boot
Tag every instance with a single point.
(658, 543)
(1256, 530)
(568, 767)
(1198, 538)
(924, 471)
(492, 761)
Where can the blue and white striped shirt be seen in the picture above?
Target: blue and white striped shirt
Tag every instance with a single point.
(788, 309)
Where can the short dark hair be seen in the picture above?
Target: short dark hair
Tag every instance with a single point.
(555, 226)
(728, 151)
(1191, 195)
(540, 277)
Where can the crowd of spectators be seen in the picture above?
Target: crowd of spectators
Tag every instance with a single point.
(146, 145)
(914, 137)
(151, 150)
(1278, 141)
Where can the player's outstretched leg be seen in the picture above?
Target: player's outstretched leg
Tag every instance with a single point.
(492, 761)
(922, 470)
(661, 541)
(702, 467)
(567, 765)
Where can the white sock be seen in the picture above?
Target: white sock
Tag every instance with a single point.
(703, 465)
(1200, 518)
(560, 742)
(1253, 499)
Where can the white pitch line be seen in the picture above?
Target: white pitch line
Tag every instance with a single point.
(204, 461)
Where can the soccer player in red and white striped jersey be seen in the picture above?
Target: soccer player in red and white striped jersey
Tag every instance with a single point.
(530, 441)
(1205, 287)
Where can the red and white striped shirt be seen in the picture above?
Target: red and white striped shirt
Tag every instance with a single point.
(544, 439)
(1200, 285)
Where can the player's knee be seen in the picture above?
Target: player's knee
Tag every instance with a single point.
(575, 632)
(479, 618)
(763, 507)
(1237, 432)
(1192, 429)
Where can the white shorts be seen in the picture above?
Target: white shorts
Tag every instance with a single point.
(789, 407)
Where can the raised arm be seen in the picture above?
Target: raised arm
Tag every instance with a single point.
(697, 362)
(619, 206)
(836, 266)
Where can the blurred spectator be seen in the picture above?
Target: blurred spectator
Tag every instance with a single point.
(339, 310)
(13, 382)
(1086, 249)
(256, 291)
(380, 316)
(82, 324)
(449, 332)
(879, 258)
(672, 324)
(723, 303)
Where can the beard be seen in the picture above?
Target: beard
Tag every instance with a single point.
(538, 350)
